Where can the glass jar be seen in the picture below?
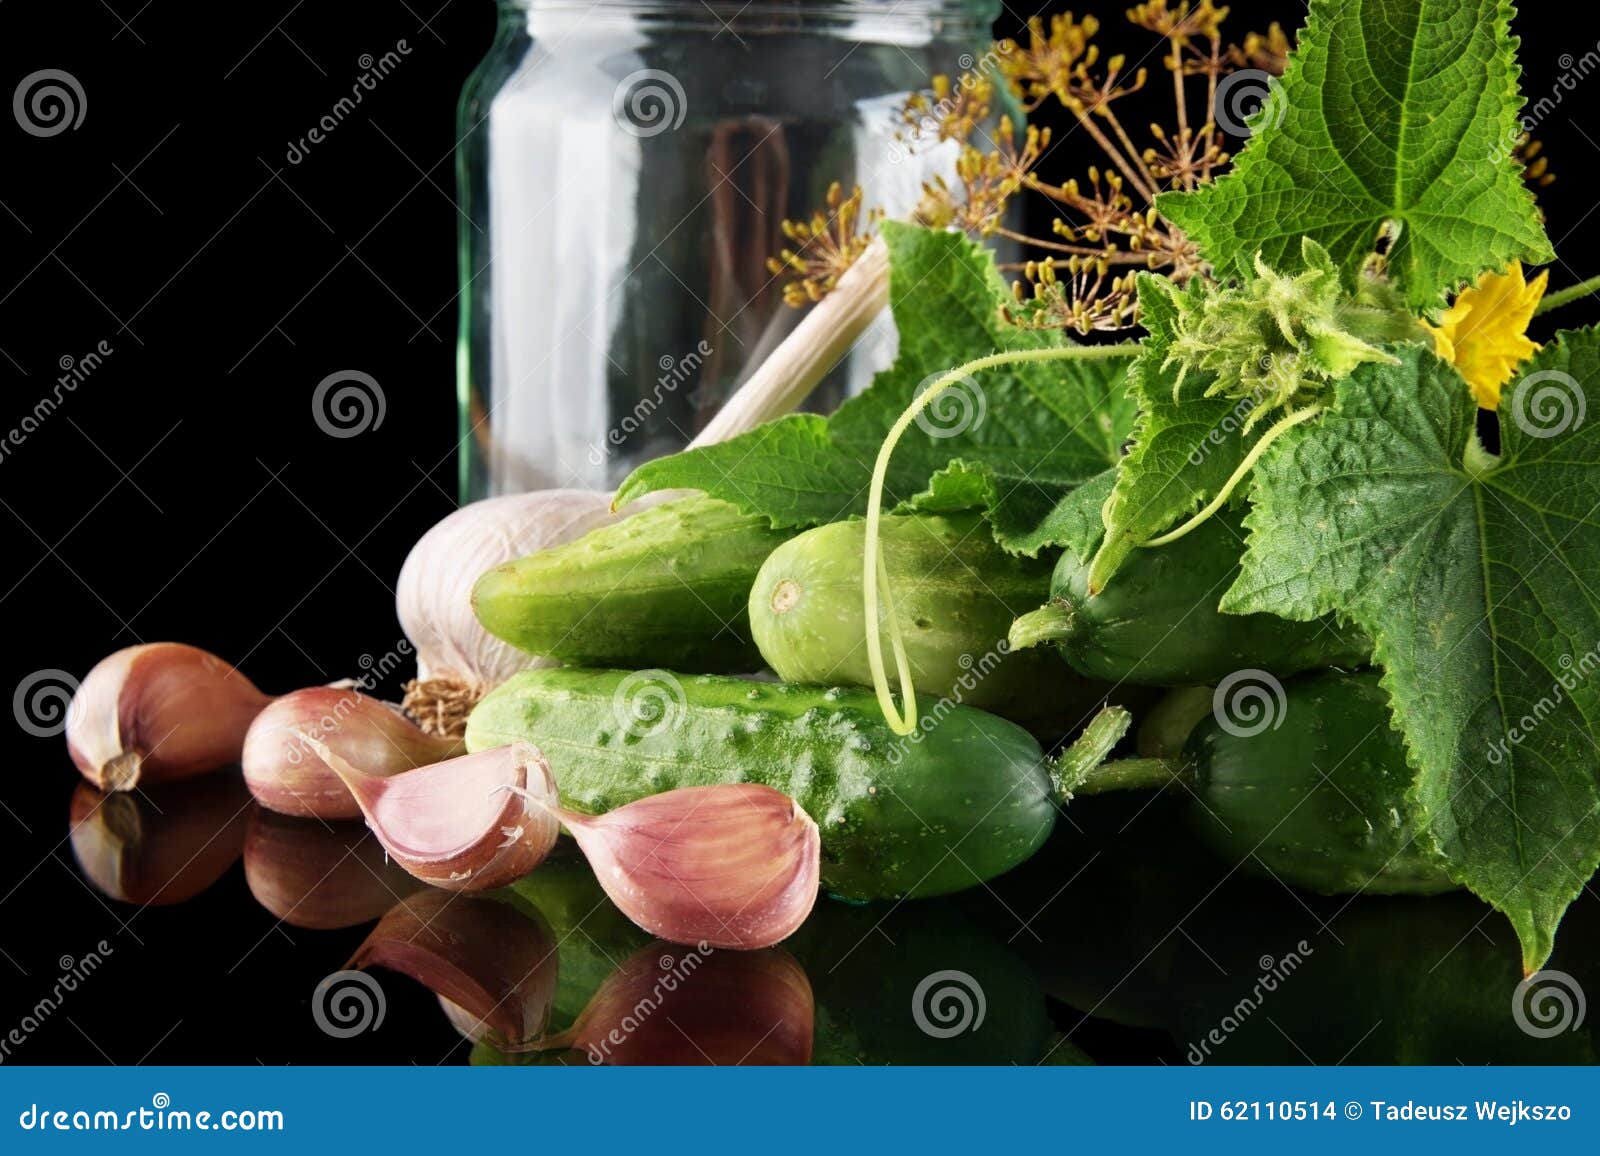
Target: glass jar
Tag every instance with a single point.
(624, 170)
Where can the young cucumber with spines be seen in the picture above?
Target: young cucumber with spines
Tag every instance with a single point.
(665, 587)
(1157, 623)
(956, 593)
(945, 809)
(1309, 788)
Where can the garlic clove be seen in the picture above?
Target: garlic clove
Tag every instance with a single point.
(467, 824)
(667, 1005)
(318, 876)
(158, 712)
(286, 776)
(734, 865)
(162, 845)
(493, 966)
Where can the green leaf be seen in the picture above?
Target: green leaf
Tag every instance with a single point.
(1390, 110)
(1074, 522)
(1477, 579)
(1025, 435)
(1183, 451)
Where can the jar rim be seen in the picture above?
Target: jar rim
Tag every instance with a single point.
(734, 12)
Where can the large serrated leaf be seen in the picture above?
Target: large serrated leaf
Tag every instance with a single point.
(1479, 580)
(1390, 110)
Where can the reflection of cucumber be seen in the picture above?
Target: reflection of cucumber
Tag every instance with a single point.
(955, 596)
(865, 964)
(665, 587)
(1389, 981)
(1157, 623)
(1310, 789)
(960, 802)
(1094, 911)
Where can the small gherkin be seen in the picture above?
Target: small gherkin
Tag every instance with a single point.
(1280, 339)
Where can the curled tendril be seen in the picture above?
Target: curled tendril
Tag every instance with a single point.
(874, 576)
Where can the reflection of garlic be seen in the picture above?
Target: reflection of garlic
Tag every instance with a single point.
(457, 660)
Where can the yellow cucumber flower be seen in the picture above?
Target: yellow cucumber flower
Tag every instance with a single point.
(1485, 333)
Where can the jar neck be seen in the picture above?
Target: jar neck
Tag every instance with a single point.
(860, 19)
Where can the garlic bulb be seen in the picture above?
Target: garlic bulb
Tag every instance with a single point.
(457, 659)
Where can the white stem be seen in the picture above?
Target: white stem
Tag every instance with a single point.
(816, 345)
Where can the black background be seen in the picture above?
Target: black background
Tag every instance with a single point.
(184, 492)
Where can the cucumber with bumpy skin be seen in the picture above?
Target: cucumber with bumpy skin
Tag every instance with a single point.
(1157, 623)
(664, 587)
(956, 593)
(948, 807)
(1309, 787)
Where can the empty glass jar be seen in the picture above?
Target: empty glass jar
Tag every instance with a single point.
(624, 170)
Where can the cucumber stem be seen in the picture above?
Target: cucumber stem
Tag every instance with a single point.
(872, 569)
(1568, 295)
(1053, 622)
(1281, 427)
(1131, 775)
(1088, 751)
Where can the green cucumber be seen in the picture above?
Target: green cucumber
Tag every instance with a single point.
(956, 594)
(1308, 784)
(950, 806)
(664, 587)
(1158, 624)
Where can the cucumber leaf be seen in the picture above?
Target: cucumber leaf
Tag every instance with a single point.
(1024, 435)
(1477, 579)
(1390, 110)
(1183, 450)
